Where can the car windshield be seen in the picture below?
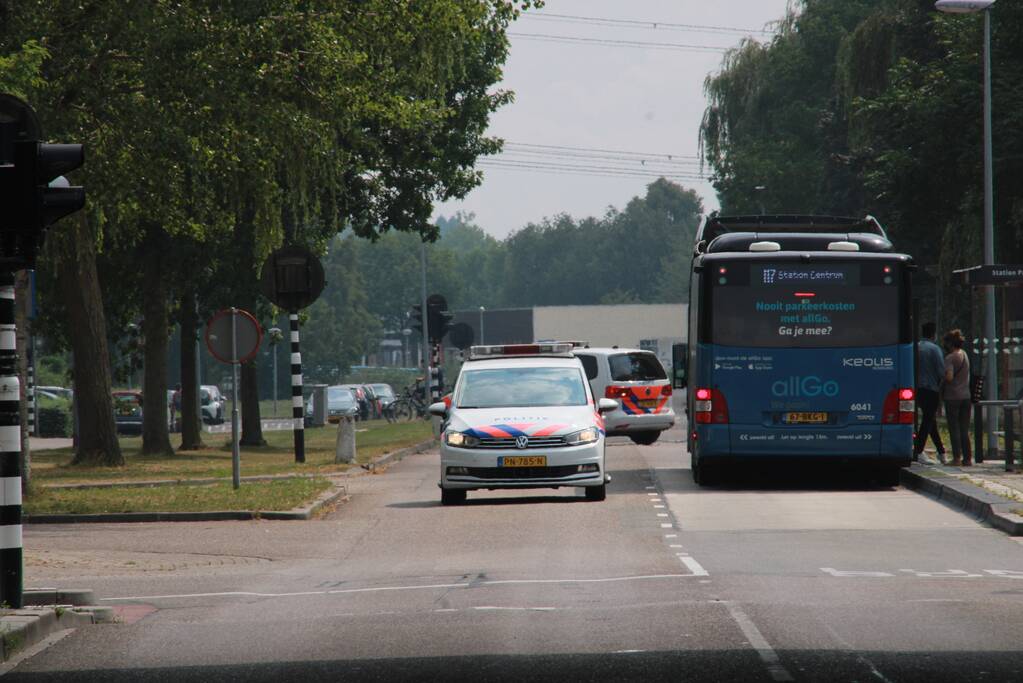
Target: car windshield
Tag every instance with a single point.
(521, 387)
(340, 395)
(383, 390)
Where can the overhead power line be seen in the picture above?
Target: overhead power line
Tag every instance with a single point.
(670, 155)
(641, 24)
(609, 42)
(572, 156)
(590, 169)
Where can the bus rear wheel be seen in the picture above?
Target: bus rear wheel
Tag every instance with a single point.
(704, 474)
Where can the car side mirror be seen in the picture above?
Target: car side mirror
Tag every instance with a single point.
(607, 405)
(440, 409)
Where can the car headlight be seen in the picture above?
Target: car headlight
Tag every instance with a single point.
(588, 435)
(460, 440)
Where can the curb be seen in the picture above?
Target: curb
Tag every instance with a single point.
(22, 628)
(333, 495)
(56, 596)
(984, 505)
(336, 494)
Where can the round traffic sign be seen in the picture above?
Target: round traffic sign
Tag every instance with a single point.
(233, 335)
(292, 277)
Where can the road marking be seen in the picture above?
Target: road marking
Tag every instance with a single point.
(951, 573)
(667, 526)
(626, 652)
(651, 487)
(859, 657)
(514, 609)
(671, 535)
(382, 589)
(1007, 573)
(873, 575)
(662, 514)
(658, 507)
(693, 566)
(675, 545)
(767, 654)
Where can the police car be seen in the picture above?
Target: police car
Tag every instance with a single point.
(522, 416)
(636, 379)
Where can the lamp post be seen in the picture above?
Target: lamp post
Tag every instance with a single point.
(483, 310)
(991, 374)
(405, 333)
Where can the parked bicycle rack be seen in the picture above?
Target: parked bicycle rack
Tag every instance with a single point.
(1009, 412)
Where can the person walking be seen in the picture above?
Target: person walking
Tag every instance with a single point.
(928, 384)
(956, 392)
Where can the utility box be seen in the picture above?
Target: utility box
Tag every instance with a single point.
(319, 399)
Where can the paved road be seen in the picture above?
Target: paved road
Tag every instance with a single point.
(829, 578)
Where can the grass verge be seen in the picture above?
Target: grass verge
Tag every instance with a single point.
(276, 457)
(284, 494)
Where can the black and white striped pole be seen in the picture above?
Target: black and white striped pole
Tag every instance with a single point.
(30, 385)
(10, 452)
(297, 408)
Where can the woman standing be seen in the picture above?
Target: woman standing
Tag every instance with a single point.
(957, 397)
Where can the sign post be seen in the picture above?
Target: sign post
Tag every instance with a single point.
(233, 336)
(293, 278)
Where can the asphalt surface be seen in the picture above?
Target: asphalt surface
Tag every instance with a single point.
(780, 575)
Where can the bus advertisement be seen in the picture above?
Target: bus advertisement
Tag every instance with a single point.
(801, 344)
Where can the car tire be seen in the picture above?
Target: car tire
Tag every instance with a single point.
(452, 496)
(644, 438)
(596, 493)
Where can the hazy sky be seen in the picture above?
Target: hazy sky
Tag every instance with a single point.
(603, 96)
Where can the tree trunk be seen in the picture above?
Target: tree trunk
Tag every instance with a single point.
(191, 432)
(155, 323)
(252, 426)
(78, 282)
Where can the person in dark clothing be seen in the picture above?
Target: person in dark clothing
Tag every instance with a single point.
(957, 397)
(931, 374)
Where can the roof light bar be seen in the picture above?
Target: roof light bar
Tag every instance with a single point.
(499, 350)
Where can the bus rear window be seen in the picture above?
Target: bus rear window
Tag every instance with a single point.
(635, 367)
(798, 305)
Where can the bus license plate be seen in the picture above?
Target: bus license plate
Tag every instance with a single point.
(806, 418)
(522, 461)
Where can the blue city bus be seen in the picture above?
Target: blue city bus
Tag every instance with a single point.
(800, 344)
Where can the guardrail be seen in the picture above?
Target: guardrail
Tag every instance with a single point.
(1009, 409)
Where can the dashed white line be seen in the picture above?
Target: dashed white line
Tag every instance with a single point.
(767, 654)
(667, 526)
(662, 514)
(693, 566)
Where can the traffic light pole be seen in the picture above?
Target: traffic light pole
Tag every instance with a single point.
(10, 452)
(427, 360)
(297, 407)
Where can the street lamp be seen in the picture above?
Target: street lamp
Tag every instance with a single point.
(991, 380)
(276, 336)
(405, 333)
(482, 311)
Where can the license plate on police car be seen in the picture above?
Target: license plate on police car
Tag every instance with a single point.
(806, 418)
(649, 403)
(522, 461)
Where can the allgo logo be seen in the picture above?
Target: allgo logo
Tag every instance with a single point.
(804, 387)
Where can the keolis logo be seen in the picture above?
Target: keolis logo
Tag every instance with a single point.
(878, 363)
(804, 387)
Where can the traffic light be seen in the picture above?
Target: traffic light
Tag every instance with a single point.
(438, 317)
(416, 316)
(37, 195)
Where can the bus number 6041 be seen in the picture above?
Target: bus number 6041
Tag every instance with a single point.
(860, 406)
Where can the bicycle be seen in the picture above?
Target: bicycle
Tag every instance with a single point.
(409, 405)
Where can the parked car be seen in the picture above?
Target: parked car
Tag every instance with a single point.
(128, 411)
(212, 403)
(385, 396)
(362, 397)
(340, 403)
(54, 392)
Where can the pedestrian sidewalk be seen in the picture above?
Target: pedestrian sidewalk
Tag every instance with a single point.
(985, 489)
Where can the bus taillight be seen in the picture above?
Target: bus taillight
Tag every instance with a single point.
(899, 407)
(710, 407)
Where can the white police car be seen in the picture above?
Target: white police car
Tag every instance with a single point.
(522, 416)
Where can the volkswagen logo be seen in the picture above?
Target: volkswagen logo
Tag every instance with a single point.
(521, 441)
